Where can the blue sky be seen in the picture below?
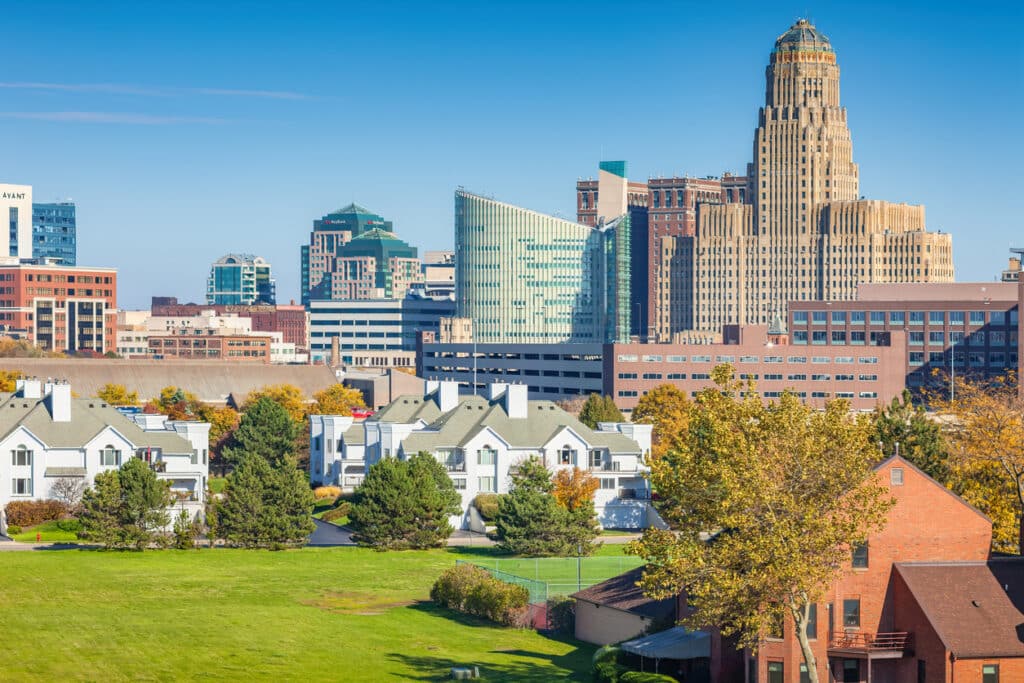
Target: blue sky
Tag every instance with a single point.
(187, 130)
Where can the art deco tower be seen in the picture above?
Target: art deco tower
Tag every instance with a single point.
(805, 234)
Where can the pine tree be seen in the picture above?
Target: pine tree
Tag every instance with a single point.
(266, 430)
(530, 520)
(127, 508)
(599, 408)
(919, 437)
(266, 506)
(404, 504)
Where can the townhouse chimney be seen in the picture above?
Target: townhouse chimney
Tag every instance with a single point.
(517, 401)
(496, 389)
(59, 400)
(447, 396)
(32, 388)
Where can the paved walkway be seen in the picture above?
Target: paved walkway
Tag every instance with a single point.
(327, 535)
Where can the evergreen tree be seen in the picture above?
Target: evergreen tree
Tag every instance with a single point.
(530, 520)
(405, 504)
(599, 408)
(266, 430)
(920, 438)
(127, 508)
(266, 506)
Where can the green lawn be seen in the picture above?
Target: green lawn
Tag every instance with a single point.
(326, 614)
(48, 532)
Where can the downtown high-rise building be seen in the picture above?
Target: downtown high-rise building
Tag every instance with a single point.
(354, 254)
(738, 249)
(240, 279)
(526, 277)
(16, 208)
(54, 232)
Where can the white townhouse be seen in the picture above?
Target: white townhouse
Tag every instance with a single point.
(336, 451)
(479, 438)
(46, 435)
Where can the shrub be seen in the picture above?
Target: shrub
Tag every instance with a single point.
(69, 525)
(608, 653)
(337, 512)
(645, 677)
(32, 512)
(562, 615)
(321, 492)
(487, 505)
(13, 529)
(608, 672)
(472, 590)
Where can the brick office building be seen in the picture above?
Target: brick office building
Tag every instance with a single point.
(291, 320)
(60, 308)
(211, 346)
(962, 328)
(866, 376)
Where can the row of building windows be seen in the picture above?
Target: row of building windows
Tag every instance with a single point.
(906, 317)
(842, 360)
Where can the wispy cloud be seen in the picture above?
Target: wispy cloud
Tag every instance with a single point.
(151, 91)
(108, 117)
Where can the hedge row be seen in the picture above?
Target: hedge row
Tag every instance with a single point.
(26, 513)
(472, 590)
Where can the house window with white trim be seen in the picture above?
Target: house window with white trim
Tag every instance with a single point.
(595, 458)
(608, 483)
(485, 484)
(566, 456)
(459, 484)
(21, 487)
(486, 456)
(21, 456)
(110, 457)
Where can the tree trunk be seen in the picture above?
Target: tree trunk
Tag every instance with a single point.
(801, 615)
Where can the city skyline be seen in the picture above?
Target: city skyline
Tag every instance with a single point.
(246, 158)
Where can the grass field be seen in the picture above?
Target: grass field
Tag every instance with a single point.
(326, 614)
(48, 532)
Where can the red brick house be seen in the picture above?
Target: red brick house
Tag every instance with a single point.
(874, 626)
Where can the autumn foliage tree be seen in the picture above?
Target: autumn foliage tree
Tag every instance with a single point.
(117, 395)
(337, 399)
(288, 396)
(786, 491)
(667, 409)
(8, 379)
(985, 431)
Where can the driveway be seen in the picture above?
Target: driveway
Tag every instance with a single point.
(327, 535)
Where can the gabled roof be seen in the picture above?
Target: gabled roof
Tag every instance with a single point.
(89, 417)
(903, 462)
(622, 593)
(544, 420)
(976, 608)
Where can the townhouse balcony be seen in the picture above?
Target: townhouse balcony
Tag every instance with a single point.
(634, 494)
(616, 467)
(860, 645)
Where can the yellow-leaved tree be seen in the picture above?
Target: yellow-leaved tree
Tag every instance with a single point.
(117, 395)
(288, 396)
(984, 423)
(8, 378)
(764, 502)
(667, 409)
(337, 399)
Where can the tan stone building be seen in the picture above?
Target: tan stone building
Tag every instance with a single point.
(804, 233)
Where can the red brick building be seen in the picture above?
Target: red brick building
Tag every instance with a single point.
(290, 320)
(865, 375)
(210, 346)
(61, 308)
(921, 602)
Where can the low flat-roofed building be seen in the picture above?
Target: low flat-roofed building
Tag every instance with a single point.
(617, 609)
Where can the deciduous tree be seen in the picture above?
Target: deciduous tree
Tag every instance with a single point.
(404, 504)
(337, 399)
(667, 409)
(574, 490)
(599, 409)
(288, 396)
(175, 403)
(117, 395)
(8, 378)
(785, 489)
(986, 437)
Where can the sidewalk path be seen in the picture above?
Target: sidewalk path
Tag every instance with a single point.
(327, 535)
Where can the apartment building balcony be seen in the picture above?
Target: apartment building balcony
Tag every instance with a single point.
(860, 645)
(616, 467)
(455, 466)
(634, 494)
